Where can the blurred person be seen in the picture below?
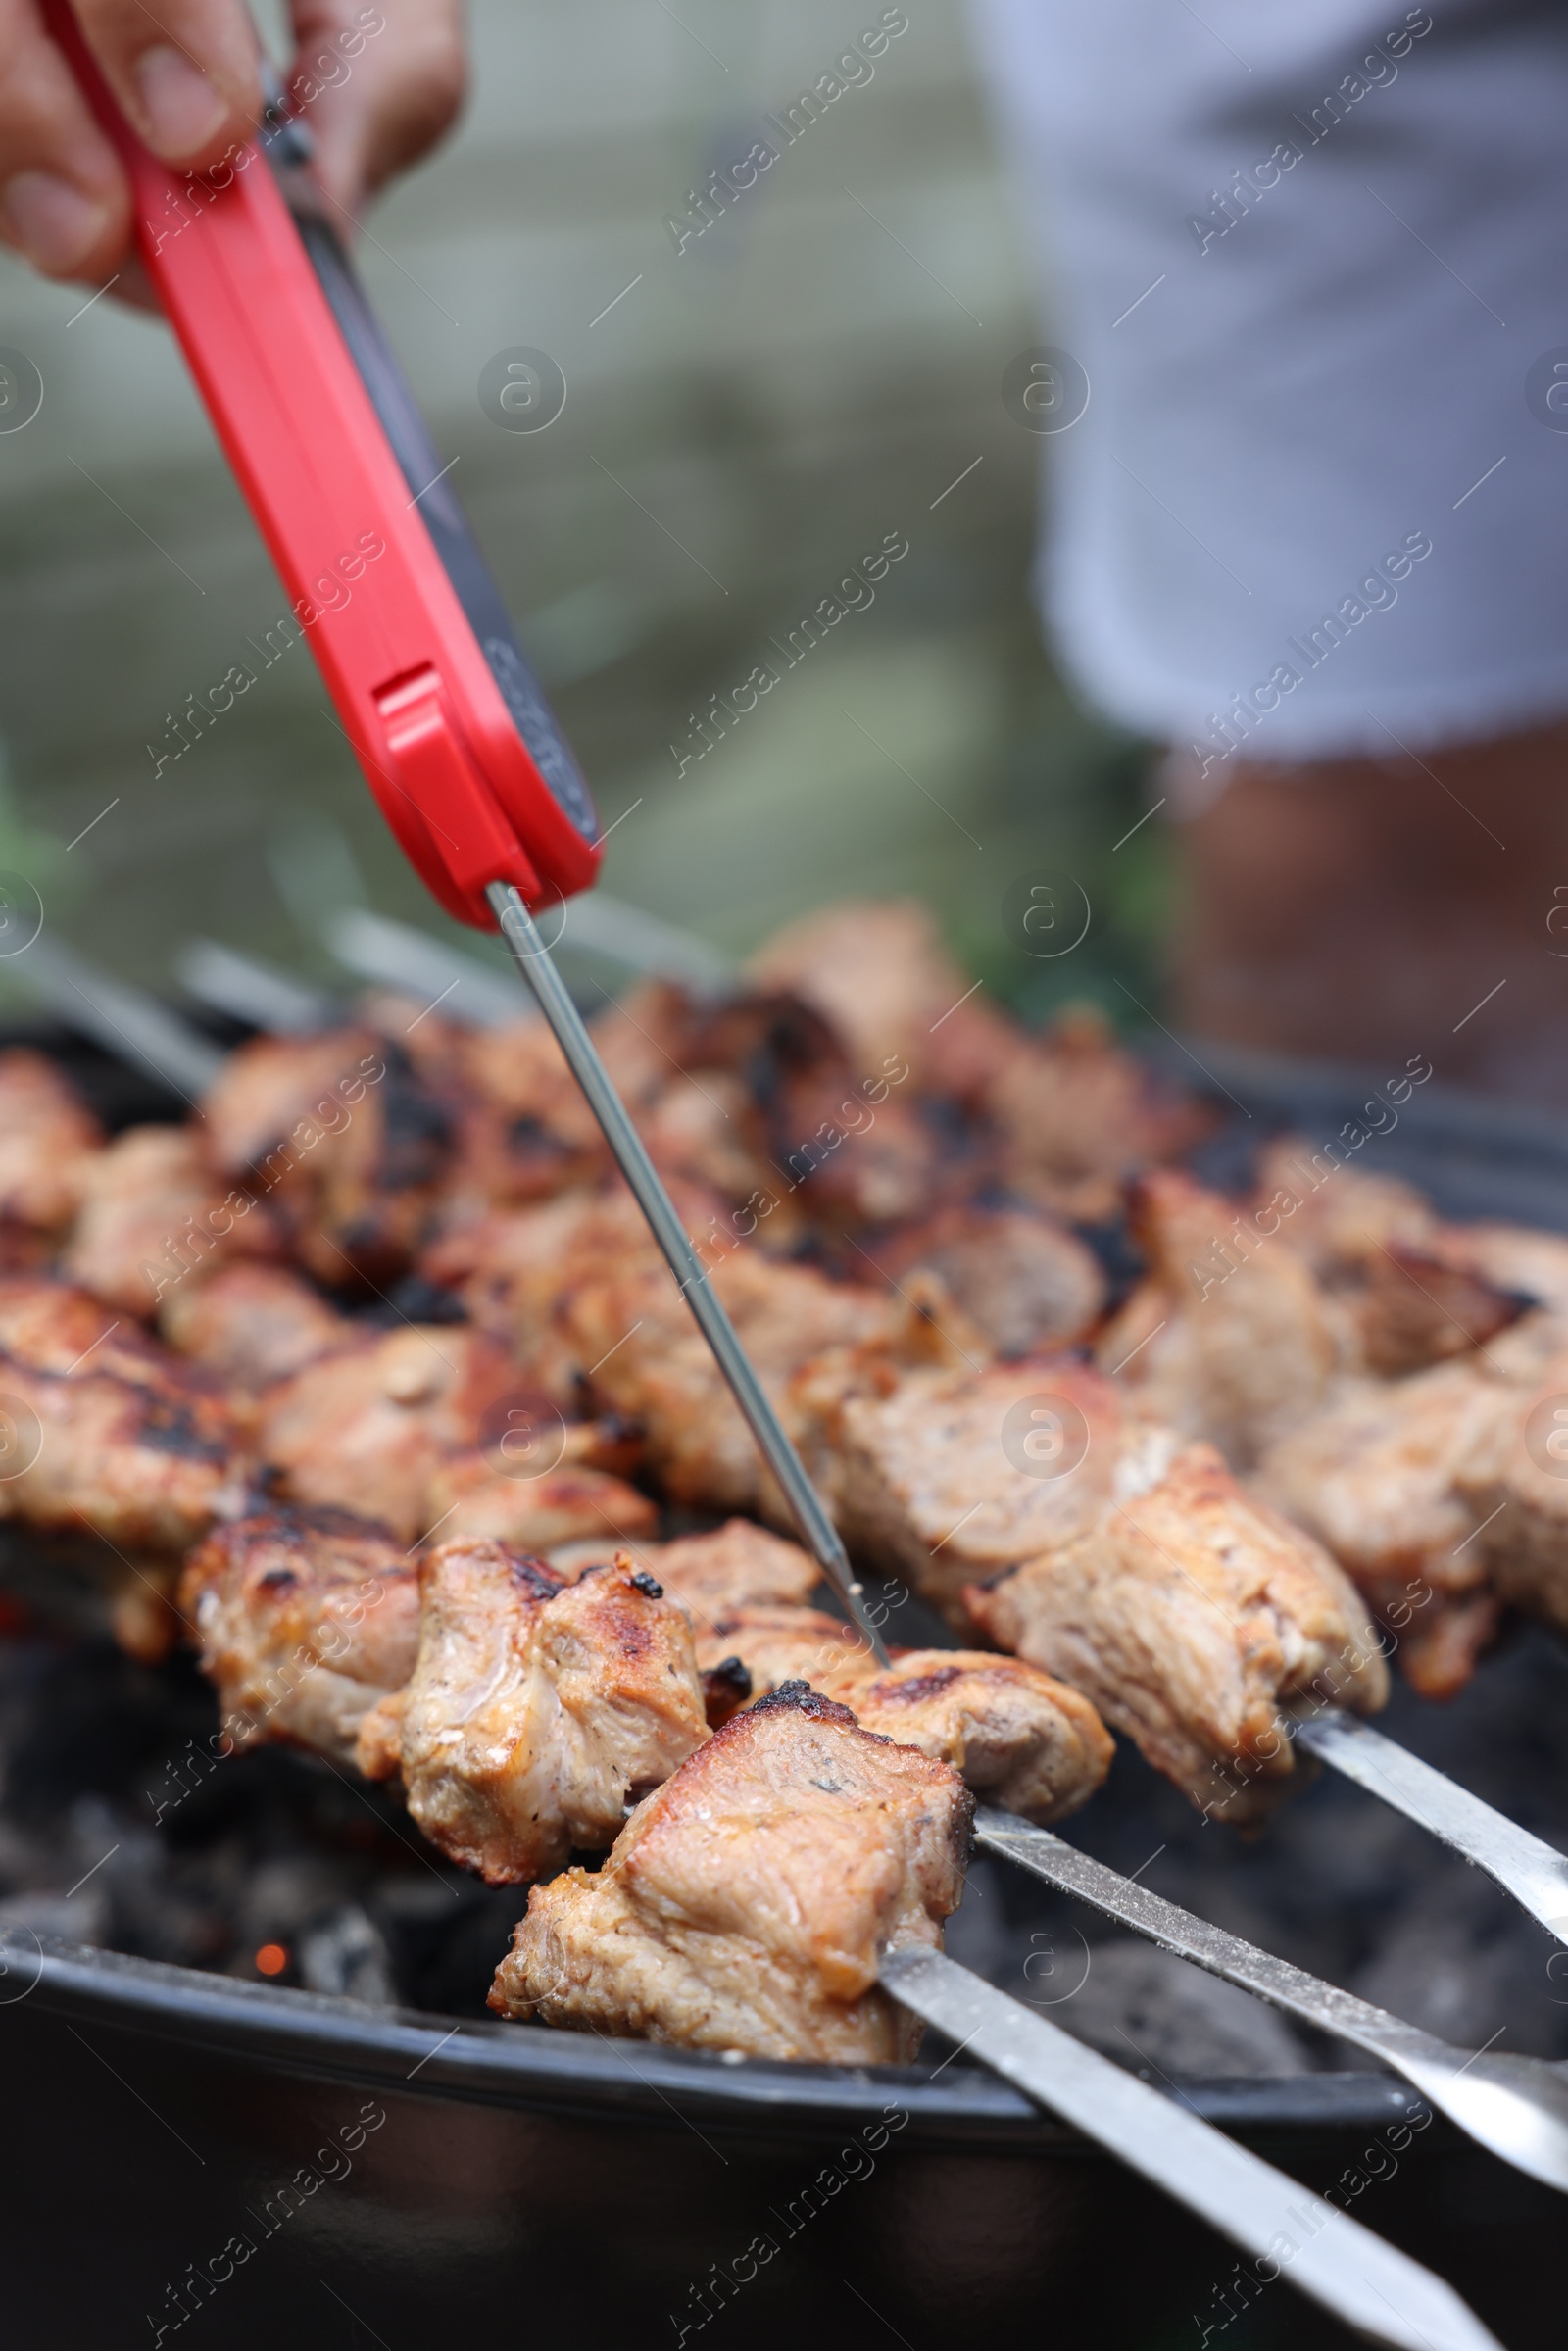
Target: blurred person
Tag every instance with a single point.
(1309, 531)
(1304, 533)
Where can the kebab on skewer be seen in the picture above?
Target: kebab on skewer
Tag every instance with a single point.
(523, 1704)
(453, 736)
(393, 1423)
(749, 1904)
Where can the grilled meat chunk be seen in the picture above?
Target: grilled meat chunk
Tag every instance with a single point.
(738, 1565)
(1012, 1733)
(748, 1903)
(651, 1364)
(47, 1141)
(252, 1325)
(948, 1476)
(1514, 1479)
(1338, 1216)
(1533, 1264)
(1193, 1617)
(524, 1130)
(516, 1271)
(477, 1493)
(539, 1710)
(153, 1213)
(1414, 1309)
(1226, 1338)
(1372, 1242)
(345, 1140)
(1377, 1477)
(305, 1619)
(1070, 1115)
(367, 1427)
(1025, 1281)
(111, 1433)
(782, 1644)
(876, 972)
(1076, 1116)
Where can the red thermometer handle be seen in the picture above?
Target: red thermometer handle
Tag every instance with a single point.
(406, 625)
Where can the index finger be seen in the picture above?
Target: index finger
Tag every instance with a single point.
(185, 73)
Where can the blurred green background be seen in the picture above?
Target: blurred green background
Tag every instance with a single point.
(751, 417)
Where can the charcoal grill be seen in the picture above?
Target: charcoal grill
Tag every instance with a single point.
(342, 2171)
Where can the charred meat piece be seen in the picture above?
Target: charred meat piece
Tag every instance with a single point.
(748, 1903)
(305, 1619)
(111, 1434)
(853, 1153)
(516, 1272)
(525, 1132)
(1194, 1616)
(848, 1139)
(876, 972)
(738, 1565)
(1377, 1477)
(1028, 1283)
(1533, 1264)
(522, 1129)
(1414, 1311)
(1530, 1266)
(1076, 1116)
(47, 1140)
(1377, 1246)
(252, 1325)
(539, 1710)
(727, 1688)
(1229, 1336)
(702, 1078)
(1338, 1216)
(1013, 1734)
(154, 1213)
(342, 1137)
(54, 1326)
(145, 1468)
(782, 1644)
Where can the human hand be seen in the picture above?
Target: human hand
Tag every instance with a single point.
(377, 84)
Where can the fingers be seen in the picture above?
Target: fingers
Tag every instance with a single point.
(377, 85)
(64, 201)
(184, 72)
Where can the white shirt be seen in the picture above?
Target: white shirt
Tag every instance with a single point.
(1327, 370)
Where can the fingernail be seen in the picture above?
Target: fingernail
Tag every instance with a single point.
(181, 112)
(51, 222)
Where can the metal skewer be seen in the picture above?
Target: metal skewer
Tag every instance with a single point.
(1535, 1873)
(1515, 2106)
(820, 1536)
(1318, 2250)
(395, 955)
(248, 990)
(126, 1021)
